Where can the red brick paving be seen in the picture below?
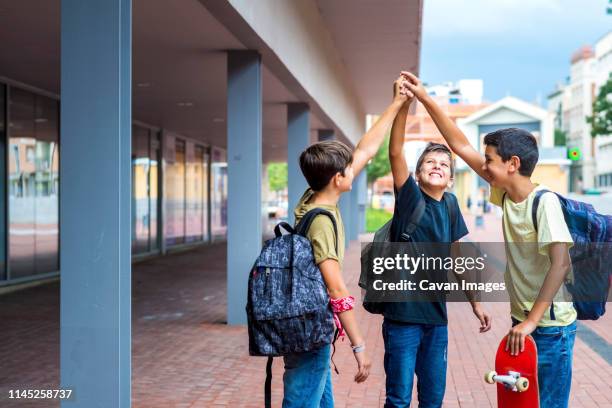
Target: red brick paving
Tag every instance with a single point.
(185, 356)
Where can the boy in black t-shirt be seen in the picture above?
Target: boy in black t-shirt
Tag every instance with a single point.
(415, 333)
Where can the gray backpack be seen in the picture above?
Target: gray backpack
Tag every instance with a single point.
(288, 308)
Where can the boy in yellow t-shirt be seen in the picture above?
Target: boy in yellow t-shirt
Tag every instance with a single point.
(538, 261)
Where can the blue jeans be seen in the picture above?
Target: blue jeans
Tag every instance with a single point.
(555, 353)
(307, 379)
(415, 349)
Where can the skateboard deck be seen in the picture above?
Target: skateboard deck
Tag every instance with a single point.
(516, 376)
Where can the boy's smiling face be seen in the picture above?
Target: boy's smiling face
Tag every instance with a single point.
(435, 171)
(498, 170)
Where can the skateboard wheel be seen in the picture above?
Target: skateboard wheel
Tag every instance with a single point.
(489, 377)
(522, 384)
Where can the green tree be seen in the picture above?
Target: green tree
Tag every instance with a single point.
(277, 176)
(601, 121)
(379, 165)
(560, 137)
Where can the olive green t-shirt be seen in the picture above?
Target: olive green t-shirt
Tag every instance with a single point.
(321, 233)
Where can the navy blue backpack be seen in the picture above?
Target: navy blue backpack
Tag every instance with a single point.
(590, 255)
(288, 308)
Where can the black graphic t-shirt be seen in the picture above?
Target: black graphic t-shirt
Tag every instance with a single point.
(434, 226)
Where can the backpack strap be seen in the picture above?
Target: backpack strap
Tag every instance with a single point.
(534, 207)
(414, 220)
(451, 208)
(419, 211)
(334, 350)
(534, 219)
(286, 226)
(304, 225)
(268, 386)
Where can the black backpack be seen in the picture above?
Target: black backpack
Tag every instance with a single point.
(383, 234)
(288, 308)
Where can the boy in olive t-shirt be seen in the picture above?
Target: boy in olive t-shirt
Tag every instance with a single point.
(321, 232)
(538, 261)
(329, 168)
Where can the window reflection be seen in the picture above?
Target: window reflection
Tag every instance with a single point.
(145, 158)
(33, 184)
(3, 179)
(218, 194)
(153, 191)
(185, 192)
(47, 185)
(205, 198)
(195, 193)
(175, 195)
(140, 190)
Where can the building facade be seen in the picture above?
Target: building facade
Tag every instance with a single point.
(572, 103)
(603, 143)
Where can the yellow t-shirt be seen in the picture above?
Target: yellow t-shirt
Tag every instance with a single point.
(527, 255)
(321, 233)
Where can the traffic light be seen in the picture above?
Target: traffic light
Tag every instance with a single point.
(574, 154)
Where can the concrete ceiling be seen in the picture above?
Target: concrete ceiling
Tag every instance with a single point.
(179, 59)
(179, 63)
(376, 40)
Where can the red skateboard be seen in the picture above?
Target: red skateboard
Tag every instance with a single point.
(516, 376)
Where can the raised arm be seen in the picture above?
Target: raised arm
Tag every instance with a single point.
(371, 141)
(399, 168)
(455, 138)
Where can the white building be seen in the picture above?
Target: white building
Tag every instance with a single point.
(556, 101)
(464, 91)
(572, 103)
(603, 144)
(581, 92)
(509, 112)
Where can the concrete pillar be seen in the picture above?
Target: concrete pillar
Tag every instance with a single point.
(298, 139)
(360, 186)
(355, 210)
(346, 210)
(95, 222)
(244, 167)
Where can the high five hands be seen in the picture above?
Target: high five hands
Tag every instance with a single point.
(414, 85)
(401, 92)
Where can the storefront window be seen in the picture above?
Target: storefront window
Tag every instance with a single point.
(194, 191)
(33, 184)
(218, 191)
(153, 191)
(2, 181)
(140, 190)
(175, 193)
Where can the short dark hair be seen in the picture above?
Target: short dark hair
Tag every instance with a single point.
(515, 142)
(322, 160)
(435, 148)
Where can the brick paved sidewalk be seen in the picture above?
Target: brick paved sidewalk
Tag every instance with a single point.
(185, 356)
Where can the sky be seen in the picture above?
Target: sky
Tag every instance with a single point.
(517, 47)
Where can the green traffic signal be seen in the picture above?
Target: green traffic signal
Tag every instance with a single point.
(574, 154)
